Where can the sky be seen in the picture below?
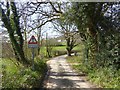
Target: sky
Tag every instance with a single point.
(68, 0)
(47, 28)
(50, 30)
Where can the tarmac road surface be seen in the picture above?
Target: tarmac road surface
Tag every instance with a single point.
(61, 75)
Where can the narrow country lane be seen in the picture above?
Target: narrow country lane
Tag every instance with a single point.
(62, 76)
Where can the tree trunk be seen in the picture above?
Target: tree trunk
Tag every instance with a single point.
(39, 44)
(15, 53)
(17, 46)
(68, 52)
(93, 46)
(18, 51)
(38, 50)
(48, 51)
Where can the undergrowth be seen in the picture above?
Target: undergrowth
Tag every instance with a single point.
(18, 76)
(105, 77)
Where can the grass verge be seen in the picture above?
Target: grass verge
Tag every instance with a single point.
(18, 76)
(105, 77)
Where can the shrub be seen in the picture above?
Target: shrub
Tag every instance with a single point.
(24, 77)
(106, 77)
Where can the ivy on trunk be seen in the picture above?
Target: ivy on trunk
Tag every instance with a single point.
(11, 22)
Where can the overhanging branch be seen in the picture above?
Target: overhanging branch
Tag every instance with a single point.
(43, 24)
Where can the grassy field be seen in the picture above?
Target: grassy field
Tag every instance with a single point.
(61, 47)
(58, 48)
(64, 48)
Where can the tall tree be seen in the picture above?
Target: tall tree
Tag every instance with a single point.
(93, 21)
(10, 19)
(86, 17)
(70, 33)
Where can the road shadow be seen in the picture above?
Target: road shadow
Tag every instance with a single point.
(63, 83)
(66, 74)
